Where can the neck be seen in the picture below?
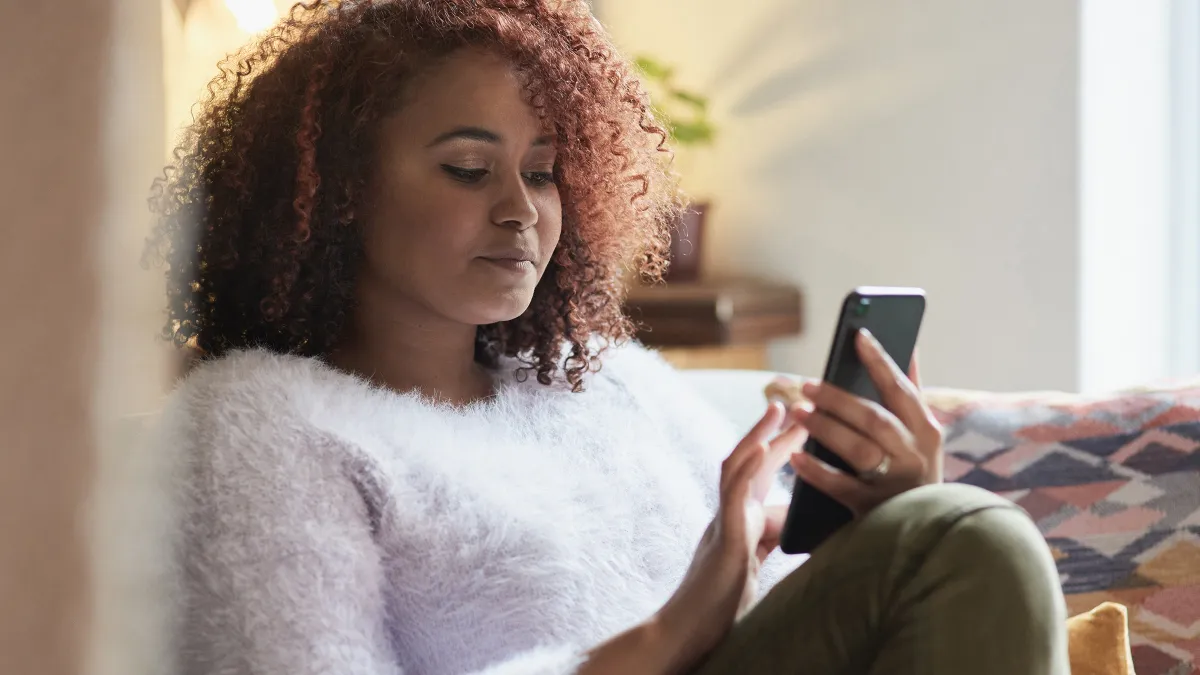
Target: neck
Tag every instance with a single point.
(393, 343)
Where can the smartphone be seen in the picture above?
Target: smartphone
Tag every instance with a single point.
(893, 315)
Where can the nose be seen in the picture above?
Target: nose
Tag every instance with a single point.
(514, 208)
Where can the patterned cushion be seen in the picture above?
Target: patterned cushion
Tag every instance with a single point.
(1114, 484)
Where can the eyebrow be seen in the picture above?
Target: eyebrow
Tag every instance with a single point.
(482, 135)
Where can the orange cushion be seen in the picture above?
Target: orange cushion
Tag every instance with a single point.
(1098, 641)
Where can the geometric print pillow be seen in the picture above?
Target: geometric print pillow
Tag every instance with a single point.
(1114, 486)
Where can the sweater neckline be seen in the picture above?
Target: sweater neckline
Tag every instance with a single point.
(507, 382)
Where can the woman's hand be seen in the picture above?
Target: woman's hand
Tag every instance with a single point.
(722, 581)
(894, 447)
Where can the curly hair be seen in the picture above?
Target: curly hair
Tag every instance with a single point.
(258, 216)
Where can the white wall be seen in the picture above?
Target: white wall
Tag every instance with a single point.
(1184, 210)
(1125, 195)
(929, 143)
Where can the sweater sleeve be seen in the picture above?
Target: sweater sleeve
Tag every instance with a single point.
(280, 569)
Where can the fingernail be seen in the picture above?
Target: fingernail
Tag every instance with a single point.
(810, 388)
(865, 335)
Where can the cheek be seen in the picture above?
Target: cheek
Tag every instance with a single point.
(549, 223)
(423, 223)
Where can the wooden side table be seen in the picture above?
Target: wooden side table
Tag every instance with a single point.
(722, 323)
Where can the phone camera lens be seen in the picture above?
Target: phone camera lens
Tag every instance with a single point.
(861, 308)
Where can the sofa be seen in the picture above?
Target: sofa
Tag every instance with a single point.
(1112, 481)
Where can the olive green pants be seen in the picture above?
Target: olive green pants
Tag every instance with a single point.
(942, 580)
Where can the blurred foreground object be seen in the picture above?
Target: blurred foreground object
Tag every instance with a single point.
(52, 187)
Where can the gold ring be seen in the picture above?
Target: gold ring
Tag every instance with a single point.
(880, 470)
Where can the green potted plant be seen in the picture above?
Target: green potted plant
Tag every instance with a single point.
(686, 115)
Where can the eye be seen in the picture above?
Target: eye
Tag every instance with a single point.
(540, 178)
(464, 175)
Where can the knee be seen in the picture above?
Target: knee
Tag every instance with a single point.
(969, 580)
(920, 518)
(977, 540)
(934, 503)
(969, 531)
(1002, 546)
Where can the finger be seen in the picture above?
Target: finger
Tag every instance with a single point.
(778, 451)
(914, 373)
(753, 520)
(895, 389)
(774, 518)
(789, 420)
(861, 448)
(733, 502)
(738, 473)
(756, 521)
(861, 452)
(775, 515)
(740, 486)
(790, 435)
(782, 446)
(851, 492)
(897, 392)
(766, 426)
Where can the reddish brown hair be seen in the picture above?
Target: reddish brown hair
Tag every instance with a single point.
(258, 217)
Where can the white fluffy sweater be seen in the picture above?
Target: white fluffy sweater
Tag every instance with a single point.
(329, 526)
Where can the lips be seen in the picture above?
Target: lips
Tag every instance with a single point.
(521, 268)
(515, 254)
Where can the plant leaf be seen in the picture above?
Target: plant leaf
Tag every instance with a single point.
(694, 128)
(698, 132)
(653, 69)
(695, 100)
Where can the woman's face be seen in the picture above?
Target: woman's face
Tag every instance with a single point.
(465, 214)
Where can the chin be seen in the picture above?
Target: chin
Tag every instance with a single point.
(498, 309)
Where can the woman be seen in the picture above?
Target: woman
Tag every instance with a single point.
(419, 441)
